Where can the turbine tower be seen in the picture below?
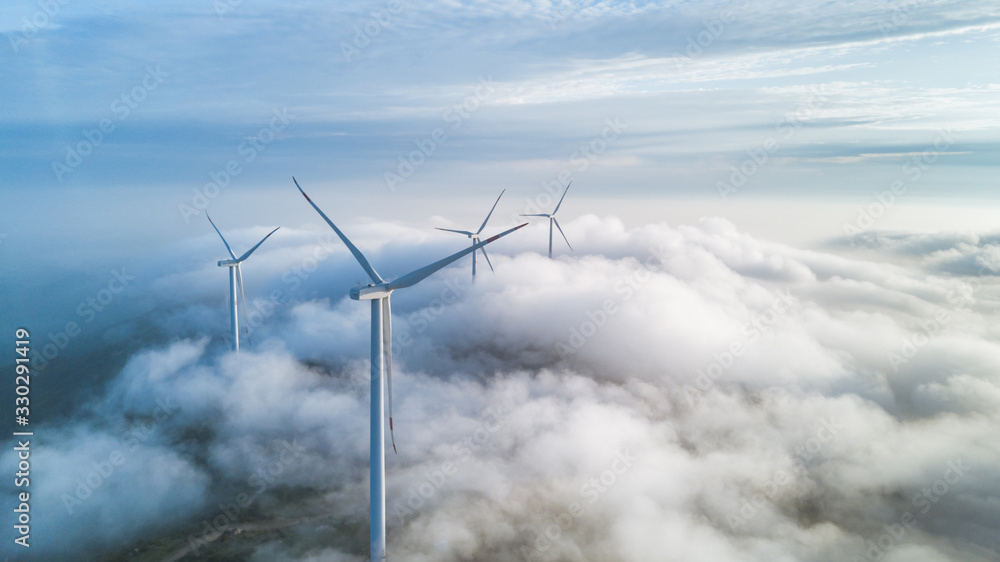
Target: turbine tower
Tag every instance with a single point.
(474, 236)
(378, 292)
(552, 220)
(236, 278)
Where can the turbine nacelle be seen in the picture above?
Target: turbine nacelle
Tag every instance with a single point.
(371, 292)
(229, 263)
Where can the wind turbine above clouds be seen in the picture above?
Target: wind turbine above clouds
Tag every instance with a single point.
(236, 278)
(378, 292)
(474, 236)
(552, 220)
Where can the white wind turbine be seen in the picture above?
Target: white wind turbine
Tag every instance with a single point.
(552, 220)
(474, 236)
(236, 278)
(378, 292)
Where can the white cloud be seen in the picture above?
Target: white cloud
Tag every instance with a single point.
(653, 435)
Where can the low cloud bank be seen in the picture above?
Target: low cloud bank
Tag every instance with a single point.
(666, 393)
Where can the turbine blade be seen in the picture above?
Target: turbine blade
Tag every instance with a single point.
(485, 255)
(465, 232)
(415, 277)
(563, 233)
(563, 197)
(246, 321)
(387, 354)
(251, 250)
(354, 249)
(491, 212)
(221, 236)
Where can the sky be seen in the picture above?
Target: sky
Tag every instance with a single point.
(774, 336)
(849, 92)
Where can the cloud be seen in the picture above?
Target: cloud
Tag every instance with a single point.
(943, 253)
(100, 486)
(690, 392)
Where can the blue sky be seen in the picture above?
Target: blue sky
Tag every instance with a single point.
(870, 84)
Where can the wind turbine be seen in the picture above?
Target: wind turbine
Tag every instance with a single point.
(552, 220)
(378, 292)
(236, 277)
(474, 236)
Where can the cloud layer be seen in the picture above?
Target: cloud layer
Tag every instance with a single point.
(669, 392)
